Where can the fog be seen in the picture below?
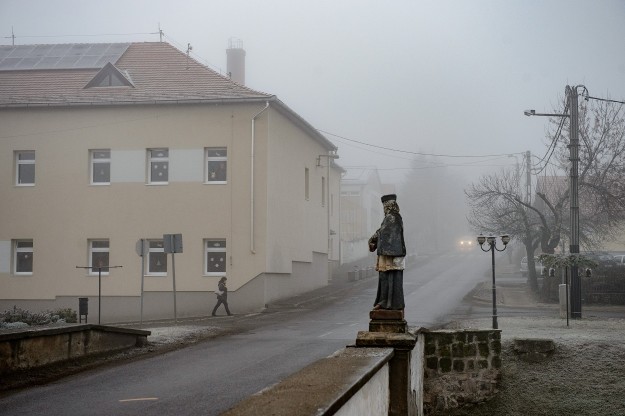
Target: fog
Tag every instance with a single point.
(385, 81)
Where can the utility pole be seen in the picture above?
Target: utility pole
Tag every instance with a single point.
(576, 284)
(528, 177)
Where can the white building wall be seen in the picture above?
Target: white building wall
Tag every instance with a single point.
(62, 211)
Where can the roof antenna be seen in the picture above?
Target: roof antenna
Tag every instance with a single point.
(189, 49)
(12, 36)
(160, 32)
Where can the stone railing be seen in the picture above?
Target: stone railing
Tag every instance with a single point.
(21, 350)
(392, 371)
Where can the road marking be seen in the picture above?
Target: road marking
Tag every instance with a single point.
(140, 399)
(327, 333)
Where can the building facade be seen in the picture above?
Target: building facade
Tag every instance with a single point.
(108, 147)
(361, 211)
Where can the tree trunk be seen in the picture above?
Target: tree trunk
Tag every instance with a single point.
(532, 280)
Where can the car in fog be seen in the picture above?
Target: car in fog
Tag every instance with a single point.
(603, 259)
(619, 259)
(466, 244)
(538, 266)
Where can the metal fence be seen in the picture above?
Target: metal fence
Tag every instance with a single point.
(606, 285)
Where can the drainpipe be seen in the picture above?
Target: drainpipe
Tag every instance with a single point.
(252, 248)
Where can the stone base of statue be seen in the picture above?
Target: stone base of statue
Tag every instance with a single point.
(386, 320)
(388, 329)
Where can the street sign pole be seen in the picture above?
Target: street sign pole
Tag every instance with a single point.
(172, 243)
(140, 249)
(99, 285)
(173, 271)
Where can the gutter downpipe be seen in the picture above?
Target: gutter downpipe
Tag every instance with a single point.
(252, 248)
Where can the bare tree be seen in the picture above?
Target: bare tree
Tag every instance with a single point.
(496, 202)
(496, 205)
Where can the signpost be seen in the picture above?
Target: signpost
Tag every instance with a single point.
(99, 284)
(141, 248)
(172, 243)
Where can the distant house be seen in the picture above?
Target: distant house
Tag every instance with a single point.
(361, 211)
(106, 145)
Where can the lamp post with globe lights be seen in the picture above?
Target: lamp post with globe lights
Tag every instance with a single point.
(492, 247)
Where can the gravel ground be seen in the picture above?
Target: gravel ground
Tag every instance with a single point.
(585, 375)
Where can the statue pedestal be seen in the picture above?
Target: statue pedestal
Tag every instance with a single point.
(388, 329)
(385, 320)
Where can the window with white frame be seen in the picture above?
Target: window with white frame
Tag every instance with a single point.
(25, 168)
(216, 162)
(23, 257)
(98, 256)
(158, 165)
(157, 258)
(100, 166)
(215, 257)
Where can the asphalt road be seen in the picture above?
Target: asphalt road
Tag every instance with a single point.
(210, 377)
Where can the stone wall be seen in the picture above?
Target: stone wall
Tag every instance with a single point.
(461, 367)
(25, 349)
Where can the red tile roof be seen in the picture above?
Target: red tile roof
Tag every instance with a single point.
(158, 71)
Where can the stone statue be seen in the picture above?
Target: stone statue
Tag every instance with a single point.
(391, 250)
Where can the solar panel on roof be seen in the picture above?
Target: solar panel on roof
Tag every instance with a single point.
(27, 63)
(9, 63)
(22, 52)
(66, 56)
(86, 62)
(47, 62)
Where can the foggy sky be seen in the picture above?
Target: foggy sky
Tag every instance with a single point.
(444, 77)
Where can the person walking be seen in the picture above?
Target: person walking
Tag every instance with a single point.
(388, 240)
(222, 296)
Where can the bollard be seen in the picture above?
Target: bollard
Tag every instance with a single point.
(83, 309)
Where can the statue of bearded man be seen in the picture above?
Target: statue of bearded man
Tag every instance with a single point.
(391, 251)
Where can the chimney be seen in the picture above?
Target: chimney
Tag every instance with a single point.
(236, 60)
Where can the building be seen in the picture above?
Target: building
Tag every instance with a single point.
(107, 145)
(361, 211)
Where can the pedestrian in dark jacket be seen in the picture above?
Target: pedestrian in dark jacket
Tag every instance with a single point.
(222, 296)
(388, 240)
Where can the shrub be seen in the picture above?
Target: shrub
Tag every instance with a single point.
(18, 315)
(67, 314)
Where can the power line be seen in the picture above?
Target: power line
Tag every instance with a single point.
(552, 146)
(415, 153)
(607, 100)
(76, 36)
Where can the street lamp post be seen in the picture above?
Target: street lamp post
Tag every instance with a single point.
(576, 284)
(492, 247)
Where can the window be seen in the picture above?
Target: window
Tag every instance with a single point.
(215, 257)
(98, 256)
(158, 162)
(25, 168)
(23, 257)
(100, 167)
(323, 191)
(306, 184)
(216, 164)
(157, 258)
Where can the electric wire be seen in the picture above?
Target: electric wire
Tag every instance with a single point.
(552, 146)
(414, 153)
(607, 100)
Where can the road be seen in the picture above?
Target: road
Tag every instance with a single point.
(210, 377)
